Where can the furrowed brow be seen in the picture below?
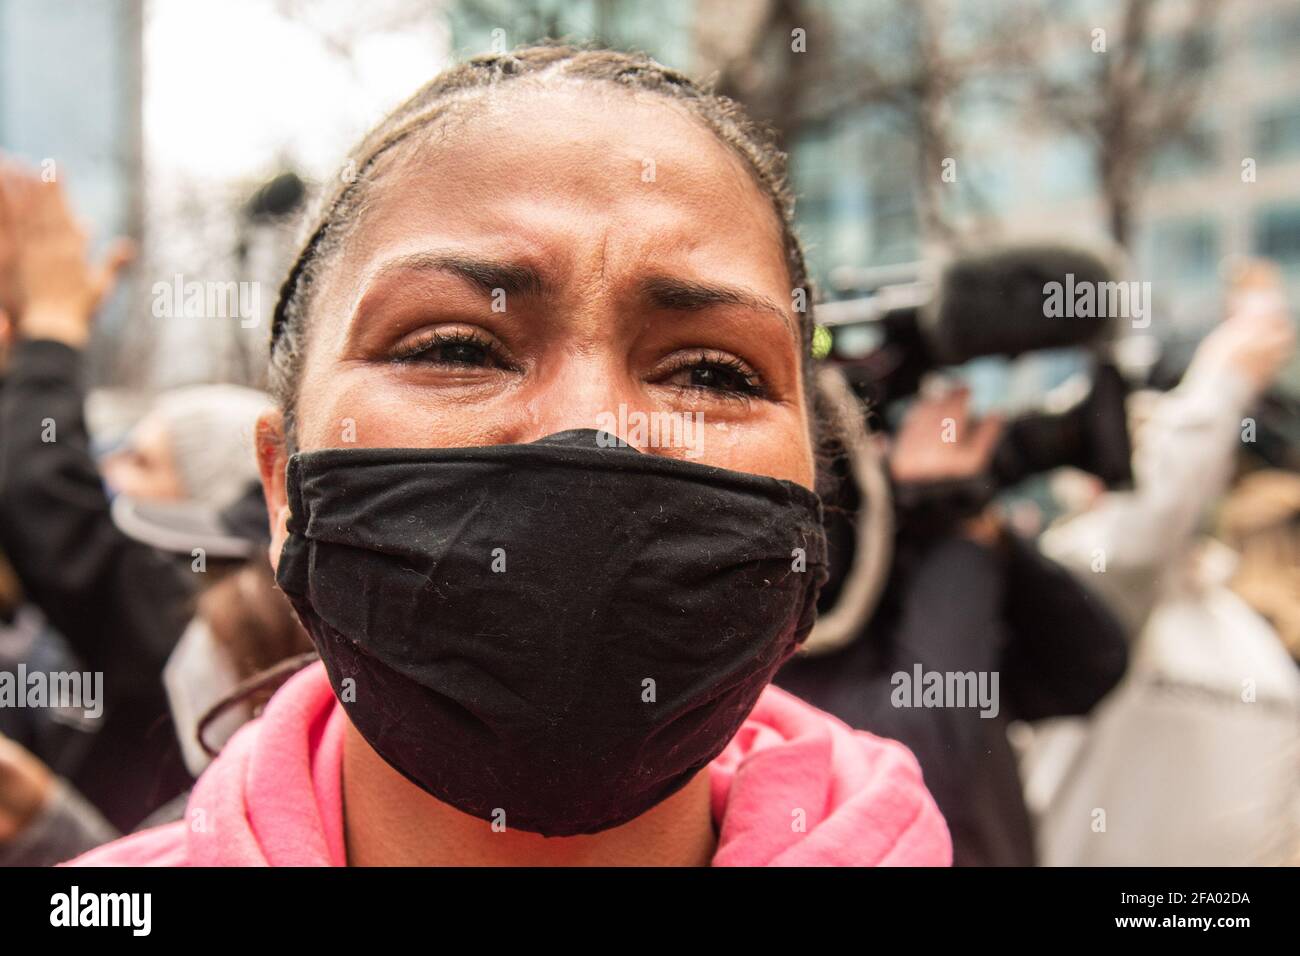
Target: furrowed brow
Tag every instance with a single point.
(685, 295)
(487, 275)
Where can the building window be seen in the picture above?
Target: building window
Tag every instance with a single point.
(1277, 131)
(1193, 150)
(1275, 37)
(1183, 249)
(1277, 235)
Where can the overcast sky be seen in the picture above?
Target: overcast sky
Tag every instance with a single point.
(232, 84)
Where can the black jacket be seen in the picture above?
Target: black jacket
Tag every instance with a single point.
(956, 606)
(120, 604)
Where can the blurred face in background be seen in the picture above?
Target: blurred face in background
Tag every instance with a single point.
(144, 467)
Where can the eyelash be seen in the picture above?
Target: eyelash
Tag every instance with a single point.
(422, 348)
(750, 385)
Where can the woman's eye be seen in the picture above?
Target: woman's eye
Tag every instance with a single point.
(716, 377)
(722, 374)
(461, 353)
(454, 349)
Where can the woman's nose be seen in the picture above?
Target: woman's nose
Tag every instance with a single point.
(586, 392)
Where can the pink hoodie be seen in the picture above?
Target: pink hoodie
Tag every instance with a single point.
(274, 796)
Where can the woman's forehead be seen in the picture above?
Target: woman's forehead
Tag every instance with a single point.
(558, 166)
(533, 125)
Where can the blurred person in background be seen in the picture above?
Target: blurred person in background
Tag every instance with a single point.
(43, 819)
(121, 605)
(229, 657)
(243, 641)
(1195, 758)
(1260, 520)
(966, 596)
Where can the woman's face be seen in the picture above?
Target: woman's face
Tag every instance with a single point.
(554, 259)
(145, 467)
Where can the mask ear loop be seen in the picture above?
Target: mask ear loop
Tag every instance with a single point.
(845, 622)
(273, 676)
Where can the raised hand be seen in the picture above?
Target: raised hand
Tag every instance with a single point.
(56, 289)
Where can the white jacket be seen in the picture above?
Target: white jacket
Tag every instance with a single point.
(1194, 759)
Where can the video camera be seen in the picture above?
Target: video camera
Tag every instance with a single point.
(989, 304)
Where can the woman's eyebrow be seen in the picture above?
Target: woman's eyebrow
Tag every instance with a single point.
(686, 295)
(488, 275)
(514, 278)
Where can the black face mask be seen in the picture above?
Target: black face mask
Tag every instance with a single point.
(554, 636)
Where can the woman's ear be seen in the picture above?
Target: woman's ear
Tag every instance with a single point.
(272, 459)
